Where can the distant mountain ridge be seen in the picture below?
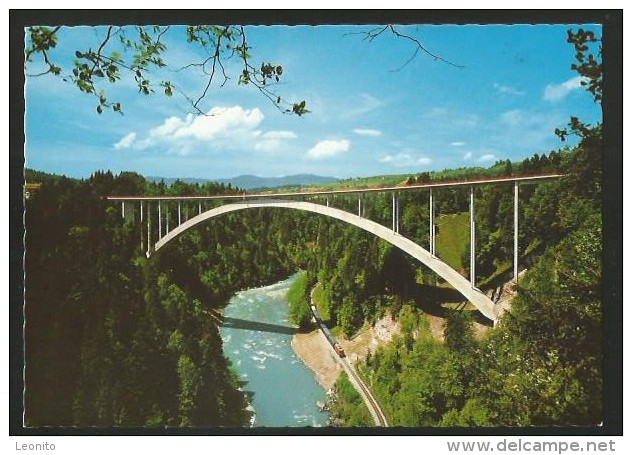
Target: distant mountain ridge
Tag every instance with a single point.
(249, 182)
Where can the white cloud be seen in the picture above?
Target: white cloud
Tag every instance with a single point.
(271, 141)
(361, 105)
(404, 159)
(219, 129)
(483, 155)
(282, 134)
(328, 148)
(438, 117)
(512, 118)
(170, 126)
(126, 141)
(533, 128)
(507, 89)
(367, 132)
(457, 144)
(218, 121)
(556, 92)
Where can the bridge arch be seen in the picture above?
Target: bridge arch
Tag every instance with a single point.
(483, 303)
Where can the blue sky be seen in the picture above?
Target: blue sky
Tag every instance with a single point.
(371, 113)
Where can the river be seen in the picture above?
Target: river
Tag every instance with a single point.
(257, 339)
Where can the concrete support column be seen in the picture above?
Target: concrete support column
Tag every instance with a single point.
(397, 215)
(327, 202)
(432, 226)
(148, 229)
(199, 208)
(123, 209)
(142, 245)
(167, 219)
(360, 207)
(394, 202)
(179, 214)
(159, 222)
(472, 240)
(516, 231)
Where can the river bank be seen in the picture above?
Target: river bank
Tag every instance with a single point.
(257, 337)
(314, 351)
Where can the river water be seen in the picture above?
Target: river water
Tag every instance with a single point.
(257, 339)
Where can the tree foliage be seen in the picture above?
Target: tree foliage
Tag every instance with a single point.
(139, 54)
(114, 339)
(590, 68)
(299, 300)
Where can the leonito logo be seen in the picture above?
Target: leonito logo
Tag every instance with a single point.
(34, 447)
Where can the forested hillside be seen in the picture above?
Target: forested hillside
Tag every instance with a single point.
(542, 365)
(113, 338)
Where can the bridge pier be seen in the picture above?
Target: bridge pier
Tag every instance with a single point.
(199, 208)
(167, 220)
(515, 231)
(148, 229)
(359, 207)
(395, 214)
(179, 214)
(432, 226)
(123, 209)
(159, 222)
(393, 211)
(472, 240)
(142, 244)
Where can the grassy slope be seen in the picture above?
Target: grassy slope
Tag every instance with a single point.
(453, 238)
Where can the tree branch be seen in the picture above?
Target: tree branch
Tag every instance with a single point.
(373, 34)
(420, 46)
(216, 58)
(98, 57)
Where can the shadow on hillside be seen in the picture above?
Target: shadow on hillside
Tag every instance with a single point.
(431, 299)
(235, 323)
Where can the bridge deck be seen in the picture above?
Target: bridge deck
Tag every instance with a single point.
(443, 184)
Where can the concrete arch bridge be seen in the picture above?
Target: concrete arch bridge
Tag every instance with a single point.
(288, 200)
